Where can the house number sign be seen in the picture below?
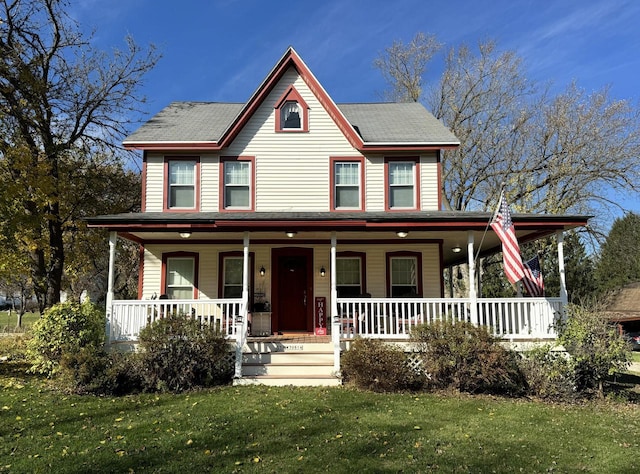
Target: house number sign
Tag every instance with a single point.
(321, 316)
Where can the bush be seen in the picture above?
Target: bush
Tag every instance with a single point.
(467, 358)
(370, 364)
(597, 348)
(179, 353)
(549, 374)
(65, 328)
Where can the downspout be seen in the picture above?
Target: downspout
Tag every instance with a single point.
(242, 323)
(113, 236)
(335, 329)
(564, 299)
(473, 296)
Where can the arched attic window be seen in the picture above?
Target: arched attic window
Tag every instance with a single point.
(292, 112)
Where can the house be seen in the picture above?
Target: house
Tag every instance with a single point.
(293, 215)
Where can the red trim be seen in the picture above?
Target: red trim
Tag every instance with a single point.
(363, 264)
(252, 184)
(332, 181)
(404, 253)
(196, 184)
(196, 268)
(292, 95)
(416, 177)
(252, 272)
(214, 146)
(143, 204)
(141, 272)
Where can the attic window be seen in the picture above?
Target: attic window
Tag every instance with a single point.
(292, 112)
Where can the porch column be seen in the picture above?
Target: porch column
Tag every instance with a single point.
(242, 325)
(473, 296)
(113, 236)
(335, 328)
(563, 283)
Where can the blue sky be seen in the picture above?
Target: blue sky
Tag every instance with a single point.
(221, 50)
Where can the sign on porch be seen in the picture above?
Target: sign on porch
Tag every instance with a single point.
(320, 320)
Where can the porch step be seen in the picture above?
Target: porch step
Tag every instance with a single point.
(288, 363)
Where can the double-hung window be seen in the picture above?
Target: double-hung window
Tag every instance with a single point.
(182, 184)
(402, 185)
(404, 274)
(349, 276)
(347, 185)
(237, 183)
(180, 278)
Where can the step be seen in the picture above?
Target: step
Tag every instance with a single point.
(272, 346)
(282, 381)
(289, 369)
(310, 357)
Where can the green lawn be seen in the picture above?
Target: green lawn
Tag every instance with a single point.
(260, 429)
(9, 320)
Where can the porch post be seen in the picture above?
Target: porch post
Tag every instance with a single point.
(113, 236)
(473, 296)
(335, 328)
(242, 325)
(563, 283)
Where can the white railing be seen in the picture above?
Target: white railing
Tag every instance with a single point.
(128, 317)
(508, 318)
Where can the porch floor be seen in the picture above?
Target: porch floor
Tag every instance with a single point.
(299, 338)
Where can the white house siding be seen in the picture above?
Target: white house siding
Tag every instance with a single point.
(208, 271)
(429, 189)
(209, 183)
(292, 169)
(374, 178)
(155, 183)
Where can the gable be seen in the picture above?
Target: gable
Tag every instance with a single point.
(213, 126)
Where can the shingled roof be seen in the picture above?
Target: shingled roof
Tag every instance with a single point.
(390, 123)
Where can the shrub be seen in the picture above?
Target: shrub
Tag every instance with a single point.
(597, 348)
(467, 358)
(179, 353)
(549, 374)
(65, 328)
(370, 364)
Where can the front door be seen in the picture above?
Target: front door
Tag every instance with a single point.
(293, 278)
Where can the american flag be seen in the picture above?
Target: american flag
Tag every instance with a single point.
(533, 281)
(503, 226)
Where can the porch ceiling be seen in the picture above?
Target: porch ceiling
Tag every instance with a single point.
(361, 228)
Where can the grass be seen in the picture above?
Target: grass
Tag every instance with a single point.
(261, 429)
(635, 356)
(9, 320)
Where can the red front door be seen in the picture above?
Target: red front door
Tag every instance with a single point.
(293, 281)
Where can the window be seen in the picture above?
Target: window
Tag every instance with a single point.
(230, 275)
(292, 112)
(182, 184)
(404, 274)
(237, 177)
(347, 185)
(232, 281)
(348, 277)
(180, 275)
(402, 184)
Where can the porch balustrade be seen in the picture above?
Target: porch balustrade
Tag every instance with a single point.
(390, 318)
(393, 318)
(128, 317)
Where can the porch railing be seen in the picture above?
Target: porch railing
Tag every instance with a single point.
(508, 318)
(128, 317)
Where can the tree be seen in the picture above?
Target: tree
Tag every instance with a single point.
(619, 260)
(554, 153)
(61, 104)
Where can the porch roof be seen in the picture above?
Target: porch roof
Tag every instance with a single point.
(449, 228)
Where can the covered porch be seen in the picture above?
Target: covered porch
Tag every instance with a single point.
(291, 274)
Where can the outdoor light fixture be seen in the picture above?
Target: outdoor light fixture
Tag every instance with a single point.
(456, 249)
(185, 235)
(323, 272)
(262, 270)
(402, 234)
(290, 233)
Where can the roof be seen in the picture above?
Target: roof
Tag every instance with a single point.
(213, 125)
(624, 305)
